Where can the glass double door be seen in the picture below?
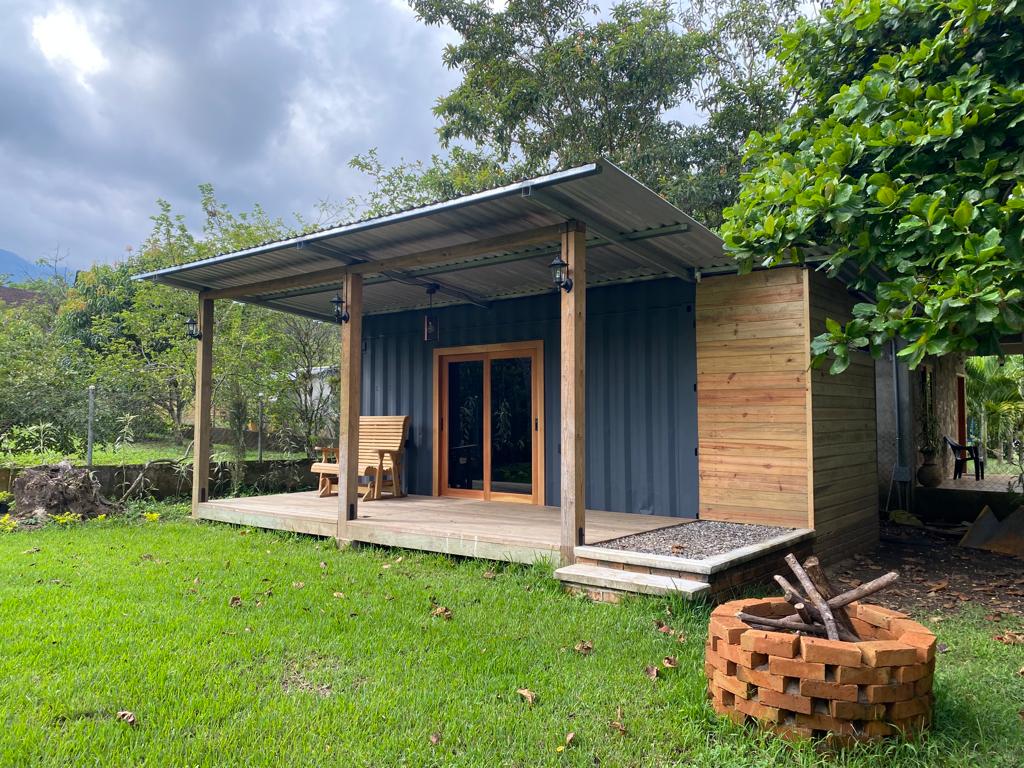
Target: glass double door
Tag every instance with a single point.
(491, 424)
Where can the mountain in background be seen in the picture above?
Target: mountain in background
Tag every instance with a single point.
(19, 269)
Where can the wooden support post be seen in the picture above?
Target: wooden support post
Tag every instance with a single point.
(350, 374)
(202, 407)
(573, 369)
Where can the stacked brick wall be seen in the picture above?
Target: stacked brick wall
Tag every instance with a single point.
(800, 687)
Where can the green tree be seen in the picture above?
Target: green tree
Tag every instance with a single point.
(904, 166)
(550, 83)
(995, 398)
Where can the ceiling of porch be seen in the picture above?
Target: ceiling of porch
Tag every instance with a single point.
(632, 234)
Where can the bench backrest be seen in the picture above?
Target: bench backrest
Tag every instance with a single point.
(381, 433)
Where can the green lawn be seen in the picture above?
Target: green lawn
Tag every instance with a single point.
(137, 453)
(333, 658)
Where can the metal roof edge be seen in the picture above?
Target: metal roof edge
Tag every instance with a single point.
(410, 214)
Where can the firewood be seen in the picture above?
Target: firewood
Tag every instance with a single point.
(831, 628)
(789, 623)
(814, 571)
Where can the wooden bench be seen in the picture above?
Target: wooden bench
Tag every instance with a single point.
(381, 449)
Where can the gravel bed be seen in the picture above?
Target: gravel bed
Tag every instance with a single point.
(698, 540)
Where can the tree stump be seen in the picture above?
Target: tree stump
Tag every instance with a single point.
(58, 489)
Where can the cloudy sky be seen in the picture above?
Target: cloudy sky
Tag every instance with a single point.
(107, 106)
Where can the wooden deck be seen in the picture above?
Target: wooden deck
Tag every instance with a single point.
(492, 530)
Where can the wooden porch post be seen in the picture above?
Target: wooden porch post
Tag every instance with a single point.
(201, 407)
(573, 364)
(350, 375)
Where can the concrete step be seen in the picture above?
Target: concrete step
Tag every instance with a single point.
(626, 581)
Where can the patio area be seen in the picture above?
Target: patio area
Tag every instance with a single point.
(493, 530)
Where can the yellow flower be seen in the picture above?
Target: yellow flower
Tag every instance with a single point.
(152, 516)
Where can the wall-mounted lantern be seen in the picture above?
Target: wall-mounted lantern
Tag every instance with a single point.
(340, 311)
(192, 329)
(430, 328)
(560, 274)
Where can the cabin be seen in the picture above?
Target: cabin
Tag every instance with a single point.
(578, 360)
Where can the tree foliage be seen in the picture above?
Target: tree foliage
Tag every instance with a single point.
(904, 166)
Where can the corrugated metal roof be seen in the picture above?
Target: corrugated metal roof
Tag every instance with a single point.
(632, 233)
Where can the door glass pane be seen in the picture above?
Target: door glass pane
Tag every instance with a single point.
(511, 426)
(466, 425)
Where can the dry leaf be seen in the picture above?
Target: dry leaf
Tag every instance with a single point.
(488, 574)
(616, 724)
(1021, 671)
(298, 584)
(670, 662)
(651, 671)
(127, 717)
(678, 549)
(584, 647)
(941, 647)
(339, 595)
(681, 636)
(435, 739)
(936, 586)
(570, 737)
(31, 551)
(1011, 638)
(444, 613)
(662, 627)
(386, 566)
(235, 601)
(527, 694)
(399, 559)
(323, 564)
(994, 616)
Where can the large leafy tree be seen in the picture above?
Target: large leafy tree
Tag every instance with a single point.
(904, 167)
(551, 83)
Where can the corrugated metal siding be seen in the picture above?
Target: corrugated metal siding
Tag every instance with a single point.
(641, 405)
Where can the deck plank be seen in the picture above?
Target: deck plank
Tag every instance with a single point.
(491, 530)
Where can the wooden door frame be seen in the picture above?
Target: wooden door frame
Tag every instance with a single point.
(533, 349)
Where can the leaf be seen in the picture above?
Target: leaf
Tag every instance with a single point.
(584, 647)
(444, 613)
(31, 551)
(651, 671)
(488, 574)
(670, 662)
(1011, 638)
(941, 648)
(127, 717)
(527, 694)
(616, 724)
(936, 586)
(323, 564)
(298, 584)
(339, 595)
(994, 616)
(570, 738)
(235, 601)
(662, 627)
(964, 214)
(435, 739)
(678, 549)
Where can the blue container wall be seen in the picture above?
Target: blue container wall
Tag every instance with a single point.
(641, 372)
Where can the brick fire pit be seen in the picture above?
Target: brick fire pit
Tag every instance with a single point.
(801, 687)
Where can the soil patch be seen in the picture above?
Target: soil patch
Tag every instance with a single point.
(936, 576)
(698, 540)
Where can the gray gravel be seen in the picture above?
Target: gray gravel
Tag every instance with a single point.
(698, 540)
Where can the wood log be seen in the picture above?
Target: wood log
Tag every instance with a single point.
(831, 628)
(763, 622)
(818, 577)
(865, 589)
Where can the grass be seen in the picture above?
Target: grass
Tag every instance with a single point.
(137, 453)
(333, 658)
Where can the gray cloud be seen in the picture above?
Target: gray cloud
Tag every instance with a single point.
(268, 101)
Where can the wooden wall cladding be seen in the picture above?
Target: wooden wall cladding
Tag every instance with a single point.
(844, 440)
(753, 398)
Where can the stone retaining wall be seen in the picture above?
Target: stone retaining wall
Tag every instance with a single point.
(801, 687)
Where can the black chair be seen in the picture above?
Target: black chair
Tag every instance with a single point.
(963, 454)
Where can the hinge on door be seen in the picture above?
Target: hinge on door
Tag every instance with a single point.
(695, 451)
(536, 424)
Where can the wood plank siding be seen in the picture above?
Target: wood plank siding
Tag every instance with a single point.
(753, 397)
(844, 439)
(781, 444)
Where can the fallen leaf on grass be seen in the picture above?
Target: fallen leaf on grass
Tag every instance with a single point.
(670, 662)
(444, 613)
(323, 565)
(584, 647)
(616, 724)
(569, 739)
(664, 628)
(31, 551)
(527, 694)
(435, 739)
(488, 574)
(941, 648)
(994, 616)
(936, 586)
(235, 601)
(1021, 671)
(298, 584)
(1011, 638)
(651, 671)
(339, 595)
(128, 717)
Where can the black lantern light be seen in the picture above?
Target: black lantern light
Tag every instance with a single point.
(192, 329)
(340, 312)
(560, 274)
